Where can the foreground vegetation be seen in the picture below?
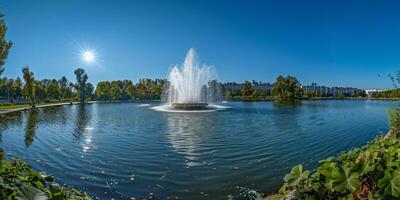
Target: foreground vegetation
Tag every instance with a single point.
(369, 172)
(19, 181)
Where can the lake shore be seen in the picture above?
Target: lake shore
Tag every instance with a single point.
(11, 110)
(356, 156)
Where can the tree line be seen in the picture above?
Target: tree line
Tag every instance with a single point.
(81, 90)
(395, 93)
(145, 89)
(284, 88)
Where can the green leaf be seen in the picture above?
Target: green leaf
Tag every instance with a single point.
(27, 192)
(365, 166)
(296, 175)
(390, 183)
(343, 180)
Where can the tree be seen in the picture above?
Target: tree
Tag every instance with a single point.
(89, 90)
(29, 85)
(286, 88)
(4, 45)
(81, 79)
(64, 87)
(40, 90)
(53, 90)
(247, 89)
(103, 91)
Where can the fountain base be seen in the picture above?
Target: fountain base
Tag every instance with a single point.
(189, 106)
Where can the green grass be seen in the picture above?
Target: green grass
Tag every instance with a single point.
(7, 106)
(12, 106)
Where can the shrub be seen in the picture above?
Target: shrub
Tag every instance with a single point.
(18, 181)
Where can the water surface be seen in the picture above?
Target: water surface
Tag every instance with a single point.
(125, 149)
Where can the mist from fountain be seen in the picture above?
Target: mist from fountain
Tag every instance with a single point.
(190, 82)
(191, 86)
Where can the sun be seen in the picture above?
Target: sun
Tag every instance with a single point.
(88, 56)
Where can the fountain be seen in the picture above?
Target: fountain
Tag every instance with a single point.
(191, 87)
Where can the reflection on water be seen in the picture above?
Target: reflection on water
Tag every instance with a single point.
(186, 136)
(138, 151)
(82, 120)
(30, 129)
(287, 104)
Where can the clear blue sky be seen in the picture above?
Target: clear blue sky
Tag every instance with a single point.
(344, 43)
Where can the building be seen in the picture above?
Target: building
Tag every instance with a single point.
(330, 91)
(369, 92)
(261, 85)
(232, 86)
(256, 85)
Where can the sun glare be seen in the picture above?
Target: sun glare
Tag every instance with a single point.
(88, 56)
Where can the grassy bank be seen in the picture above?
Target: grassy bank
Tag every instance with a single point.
(19, 181)
(369, 172)
(5, 106)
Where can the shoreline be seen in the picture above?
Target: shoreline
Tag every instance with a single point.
(290, 193)
(12, 110)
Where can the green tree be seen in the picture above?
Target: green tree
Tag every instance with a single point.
(286, 88)
(341, 95)
(4, 45)
(18, 88)
(65, 89)
(89, 90)
(103, 91)
(53, 90)
(81, 79)
(40, 90)
(115, 90)
(247, 89)
(29, 85)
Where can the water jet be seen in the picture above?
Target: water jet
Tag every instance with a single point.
(191, 87)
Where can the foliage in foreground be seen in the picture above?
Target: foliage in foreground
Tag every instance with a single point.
(18, 181)
(369, 172)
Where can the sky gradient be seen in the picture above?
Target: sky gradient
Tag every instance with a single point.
(333, 43)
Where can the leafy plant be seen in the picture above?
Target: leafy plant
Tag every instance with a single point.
(368, 172)
(343, 180)
(27, 192)
(296, 175)
(18, 181)
(394, 120)
(390, 183)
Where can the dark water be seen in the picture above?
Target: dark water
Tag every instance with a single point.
(136, 151)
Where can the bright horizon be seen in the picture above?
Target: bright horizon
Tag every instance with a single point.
(331, 43)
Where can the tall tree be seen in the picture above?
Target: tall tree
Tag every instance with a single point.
(81, 79)
(286, 88)
(4, 45)
(29, 85)
(63, 83)
(53, 90)
(247, 89)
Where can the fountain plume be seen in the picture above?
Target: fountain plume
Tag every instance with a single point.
(191, 82)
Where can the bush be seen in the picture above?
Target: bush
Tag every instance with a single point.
(18, 181)
(369, 172)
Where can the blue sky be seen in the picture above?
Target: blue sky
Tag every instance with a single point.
(344, 43)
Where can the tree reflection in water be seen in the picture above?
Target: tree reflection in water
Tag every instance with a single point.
(82, 120)
(31, 125)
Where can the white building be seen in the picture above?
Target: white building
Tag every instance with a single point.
(370, 91)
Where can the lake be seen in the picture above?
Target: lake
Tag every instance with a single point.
(120, 150)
